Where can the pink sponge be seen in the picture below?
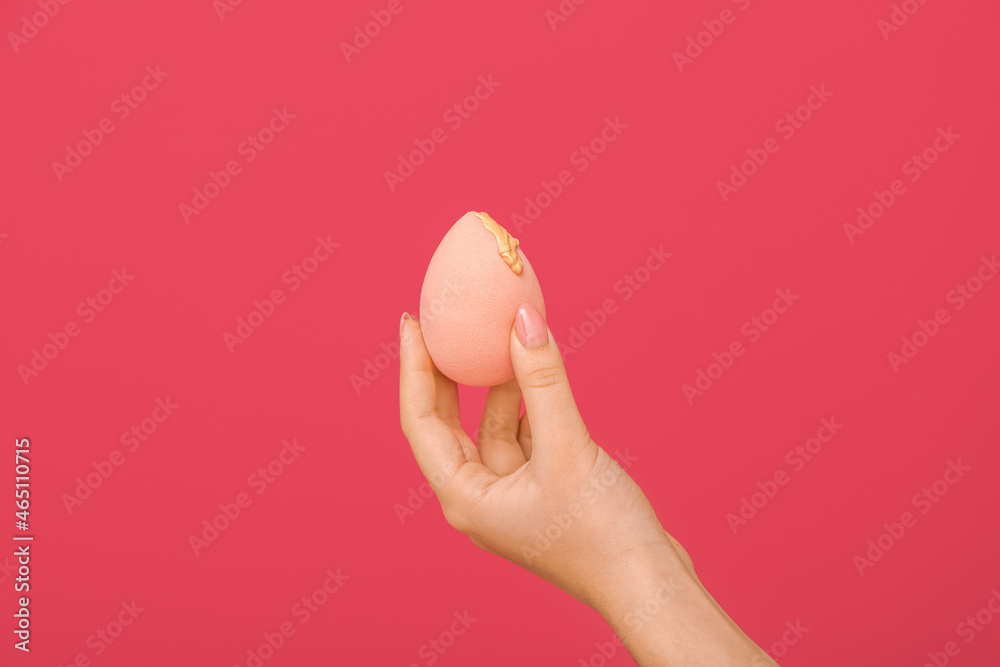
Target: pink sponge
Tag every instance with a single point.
(468, 302)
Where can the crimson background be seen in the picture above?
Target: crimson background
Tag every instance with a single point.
(336, 506)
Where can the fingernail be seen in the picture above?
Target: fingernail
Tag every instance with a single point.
(402, 319)
(530, 326)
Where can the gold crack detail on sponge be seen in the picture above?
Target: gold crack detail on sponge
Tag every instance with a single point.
(506, 244)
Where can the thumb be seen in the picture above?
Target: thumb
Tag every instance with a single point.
(556, 425)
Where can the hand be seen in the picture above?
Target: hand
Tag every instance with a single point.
(540, 492)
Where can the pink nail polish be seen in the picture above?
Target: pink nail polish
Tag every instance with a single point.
(530, 326)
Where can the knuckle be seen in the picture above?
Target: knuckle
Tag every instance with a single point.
(544, 376)
(495, 433)
(408, 424)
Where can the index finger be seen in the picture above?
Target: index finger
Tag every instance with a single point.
(435, 446)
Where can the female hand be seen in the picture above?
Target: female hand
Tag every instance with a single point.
(540, 492)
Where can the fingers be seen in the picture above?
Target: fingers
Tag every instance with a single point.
(556, 426)
(498, 430)
(435, 446)
(446, 393)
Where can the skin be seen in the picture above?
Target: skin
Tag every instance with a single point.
(539, 476)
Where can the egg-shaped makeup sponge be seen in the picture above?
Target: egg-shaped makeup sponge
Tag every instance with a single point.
(474, 283)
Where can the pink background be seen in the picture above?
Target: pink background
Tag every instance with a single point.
(336, 505)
